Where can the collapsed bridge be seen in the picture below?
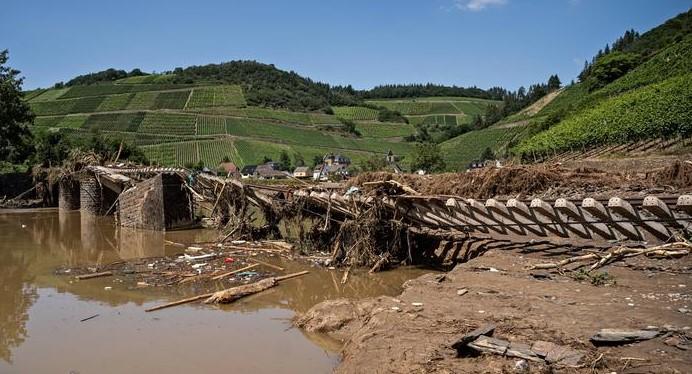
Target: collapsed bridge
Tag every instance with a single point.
(379, 221)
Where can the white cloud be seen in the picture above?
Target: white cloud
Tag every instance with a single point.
(477, 5)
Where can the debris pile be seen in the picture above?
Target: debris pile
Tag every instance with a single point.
(480, 340)
(198, 265)
(522, 181)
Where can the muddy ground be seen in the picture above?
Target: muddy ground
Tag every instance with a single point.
(394, 335)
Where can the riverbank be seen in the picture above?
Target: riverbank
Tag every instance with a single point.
(414, 331)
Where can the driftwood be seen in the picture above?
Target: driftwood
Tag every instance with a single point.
(677, 249)
(394, 183)
(234, 293)
(180, 302)
(260, 249)
(95, 275)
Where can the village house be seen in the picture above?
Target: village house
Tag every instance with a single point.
(229, 169)
(332, 166)
(248, 171)
(301, 172)
(269, 171)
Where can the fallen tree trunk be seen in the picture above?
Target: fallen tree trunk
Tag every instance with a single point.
(95, 275)
(234, 293)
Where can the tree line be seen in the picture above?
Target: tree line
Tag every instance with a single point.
(18, 145)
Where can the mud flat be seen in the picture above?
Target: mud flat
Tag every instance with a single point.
(414, 332)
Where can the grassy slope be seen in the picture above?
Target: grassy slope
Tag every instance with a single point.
(179, 124)
(649, 97)
(668, 51)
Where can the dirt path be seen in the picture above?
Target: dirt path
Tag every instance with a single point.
(413, 332)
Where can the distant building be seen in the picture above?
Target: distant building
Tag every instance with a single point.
(324, 172)
(230, 169)
(301, 172)
(248, 171)
(332, 166)
(332, 159)
(268, 171)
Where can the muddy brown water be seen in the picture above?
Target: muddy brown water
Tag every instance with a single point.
(41, 313)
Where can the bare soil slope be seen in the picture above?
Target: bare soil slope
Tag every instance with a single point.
(413, 332)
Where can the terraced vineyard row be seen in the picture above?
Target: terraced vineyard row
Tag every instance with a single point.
(126, 122)
(147, 79)
(384, 130)
(92, 104)
(433, 105)
(208, 125)
(168, 124)
(356, 113)
(460, 151)
(114, 89)
(224, 96)
(76, 121)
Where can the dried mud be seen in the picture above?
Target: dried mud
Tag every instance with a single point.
(413, 332)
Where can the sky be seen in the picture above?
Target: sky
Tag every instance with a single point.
(364, 43)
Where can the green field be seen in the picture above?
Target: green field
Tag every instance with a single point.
(460, 151)
(223, 96)
(384, 130)
(114, 121)
(356, 113)
(168, 124)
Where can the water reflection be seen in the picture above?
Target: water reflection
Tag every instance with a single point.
(16, 297)
(34, 243)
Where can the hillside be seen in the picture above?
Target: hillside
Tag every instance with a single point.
(651, 100)
(181, 124)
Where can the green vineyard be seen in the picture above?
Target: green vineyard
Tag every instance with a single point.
(216, 96)
(168, 124)
(356, 113)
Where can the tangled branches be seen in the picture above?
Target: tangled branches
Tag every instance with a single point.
(598, 260)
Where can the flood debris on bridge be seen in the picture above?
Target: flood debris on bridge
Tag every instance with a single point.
(379, 219)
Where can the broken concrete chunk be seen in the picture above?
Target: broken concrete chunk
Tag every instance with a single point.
(542, 348)
(562, 355)
(617, 336)
(521, 350)
(486, 330)
(489, 345)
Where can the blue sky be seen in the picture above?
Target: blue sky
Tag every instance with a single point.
(359, 42)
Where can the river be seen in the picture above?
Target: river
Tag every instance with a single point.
(45, 324)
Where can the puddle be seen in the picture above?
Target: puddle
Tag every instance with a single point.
(41, 313)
